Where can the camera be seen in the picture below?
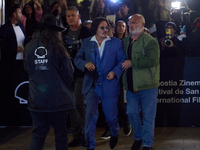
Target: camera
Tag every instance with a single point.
(168, 42)
(72, 45)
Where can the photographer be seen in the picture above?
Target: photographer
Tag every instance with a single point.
(170, 45)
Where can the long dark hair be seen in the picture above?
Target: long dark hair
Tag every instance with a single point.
(31, 4)
(125, 33)
(96, 22)
(52, 38)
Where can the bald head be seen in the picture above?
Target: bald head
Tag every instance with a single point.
(136, 24)
(138, 18)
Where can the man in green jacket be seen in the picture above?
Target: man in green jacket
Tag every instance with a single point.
(141, 81)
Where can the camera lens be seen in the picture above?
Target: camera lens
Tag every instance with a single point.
(168, 42)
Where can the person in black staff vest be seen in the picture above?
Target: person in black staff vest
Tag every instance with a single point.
(50, 74)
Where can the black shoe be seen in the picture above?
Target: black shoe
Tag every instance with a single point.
(147, 148)
(113, 141)
(136, 145)
(75, 143)
(127, 129)
(106, 135)
(90, 149)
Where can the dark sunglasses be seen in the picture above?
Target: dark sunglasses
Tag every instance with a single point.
(102, 28)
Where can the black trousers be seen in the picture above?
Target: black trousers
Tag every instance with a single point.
(41, 125)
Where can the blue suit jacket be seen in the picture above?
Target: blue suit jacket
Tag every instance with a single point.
(113, 55)
(9, 42)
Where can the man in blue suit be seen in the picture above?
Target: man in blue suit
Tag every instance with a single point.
(100, 57)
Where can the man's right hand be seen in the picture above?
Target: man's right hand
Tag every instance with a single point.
(90, 66)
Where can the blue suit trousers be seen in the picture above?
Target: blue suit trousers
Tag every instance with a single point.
(109, 106)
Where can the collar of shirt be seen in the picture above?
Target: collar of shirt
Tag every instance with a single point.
(15, 25)
(100, 47)
(95, 39)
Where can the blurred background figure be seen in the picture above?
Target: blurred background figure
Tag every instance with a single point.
(121, 30)
(111, 30)
(192, 40)
(63, 5)
(87, 23)
(123, 13)
(177, 13)
(120, 33)
(56, 9)
(12, 36)
(161, 15)
(32, 13)
(99, 9)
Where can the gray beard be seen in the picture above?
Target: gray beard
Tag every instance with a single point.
(136, 31)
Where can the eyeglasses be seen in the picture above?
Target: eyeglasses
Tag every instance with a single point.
(102, 28)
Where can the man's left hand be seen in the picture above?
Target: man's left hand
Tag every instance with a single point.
(126, 64)
(110, 75)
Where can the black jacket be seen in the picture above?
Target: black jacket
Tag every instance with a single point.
(50, 76)
(8, 41)
(84, 33)
(176, 51)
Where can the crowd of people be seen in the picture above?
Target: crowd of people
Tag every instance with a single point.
(72, 66)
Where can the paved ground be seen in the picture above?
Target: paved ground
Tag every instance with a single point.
(171, 138)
